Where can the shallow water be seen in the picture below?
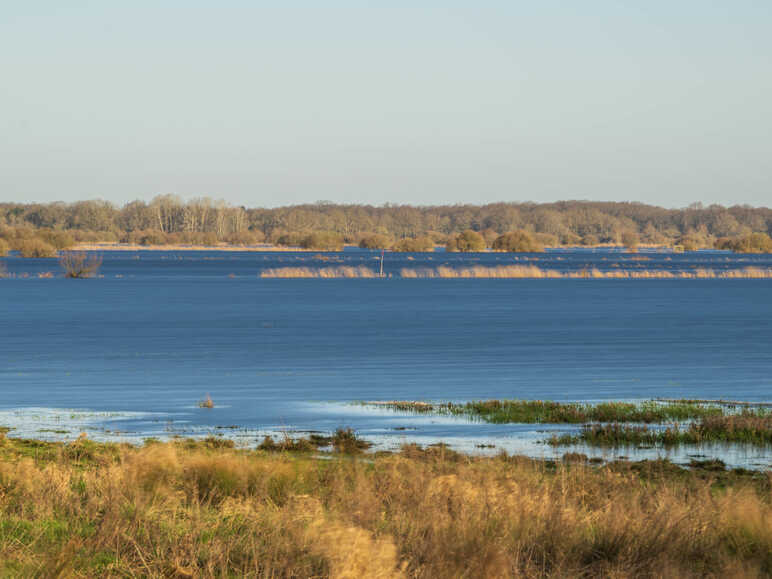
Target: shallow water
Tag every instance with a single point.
(159, 330)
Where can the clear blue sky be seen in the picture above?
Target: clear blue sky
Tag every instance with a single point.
(433, 101)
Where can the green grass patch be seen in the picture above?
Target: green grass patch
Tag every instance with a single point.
(549, 412)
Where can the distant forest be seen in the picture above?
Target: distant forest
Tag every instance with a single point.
(169, 219)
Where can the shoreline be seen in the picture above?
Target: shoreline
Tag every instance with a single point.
(117, 246)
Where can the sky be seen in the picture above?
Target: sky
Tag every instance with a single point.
(269, 103)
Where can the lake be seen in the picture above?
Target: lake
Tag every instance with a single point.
(128, 355)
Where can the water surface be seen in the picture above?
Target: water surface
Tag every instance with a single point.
(159, 330)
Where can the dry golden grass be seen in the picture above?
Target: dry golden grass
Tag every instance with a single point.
(186, 510)
(320, 272)
(534, 272)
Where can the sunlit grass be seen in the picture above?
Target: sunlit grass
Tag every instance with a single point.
(205, 509)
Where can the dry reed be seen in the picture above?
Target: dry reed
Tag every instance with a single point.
(534, 272)
(321, 272)
(188, 510)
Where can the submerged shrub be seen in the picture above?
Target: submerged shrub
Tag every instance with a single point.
(207, 402)
(80, 264)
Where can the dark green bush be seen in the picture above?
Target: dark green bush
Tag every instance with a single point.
(414, 244)
(468, 240)
(489, 235)
(291, 239)
(324, 240)
(630, 240)
(153, 238)
(35, 247)
(590, 239)
(248, 237)
(516, 241)
(56, 238)
(753, 243)
(375, 241)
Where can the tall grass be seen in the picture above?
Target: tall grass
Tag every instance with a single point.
(192, 510)
(549, 412)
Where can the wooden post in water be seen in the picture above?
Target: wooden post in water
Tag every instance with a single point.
(381, 272)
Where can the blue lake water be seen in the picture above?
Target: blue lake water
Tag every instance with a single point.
(133, 350)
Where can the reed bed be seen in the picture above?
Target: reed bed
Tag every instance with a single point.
(535, 272)
(549, 412)
(320, 272)
(745, 428)
(191, 509)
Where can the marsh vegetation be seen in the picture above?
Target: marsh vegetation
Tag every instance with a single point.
(549, 412)
(187, 508)
(748, 427)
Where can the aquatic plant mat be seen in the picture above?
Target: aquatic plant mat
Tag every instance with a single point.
(745, 428)
(548, 412)
(516, 272)
(206, 509)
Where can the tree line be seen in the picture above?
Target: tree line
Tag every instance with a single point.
(168, 219)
